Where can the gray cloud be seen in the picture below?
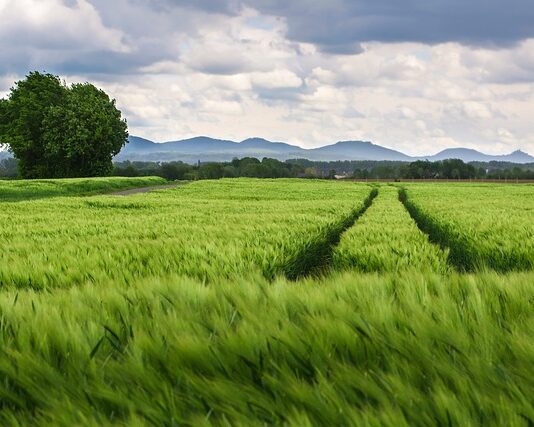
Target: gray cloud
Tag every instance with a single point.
(212, 6)
(90, 63)
(335, 25)
(340, 26)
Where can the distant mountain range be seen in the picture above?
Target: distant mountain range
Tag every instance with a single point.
(206, 149)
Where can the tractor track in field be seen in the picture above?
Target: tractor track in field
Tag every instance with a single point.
(461, 255)
(464, 255)
(315, 258)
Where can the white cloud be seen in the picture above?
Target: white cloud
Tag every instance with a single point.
(53, 25)
(276, 79)
(502, 66)
(476, 110)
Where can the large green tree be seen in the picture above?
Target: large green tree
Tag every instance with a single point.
(57, 131)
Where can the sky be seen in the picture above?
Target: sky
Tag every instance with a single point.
(415, 75)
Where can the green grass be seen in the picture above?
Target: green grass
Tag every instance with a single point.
(207, 230)
(11, 191)
(484, 226)
(386, 239)
(267, 302)
(409, 349)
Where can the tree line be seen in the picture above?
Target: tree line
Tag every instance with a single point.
(300, 168)
(446, 169)
(246, 167)
(271, 168)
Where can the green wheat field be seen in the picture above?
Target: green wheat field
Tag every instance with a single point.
(266, 302)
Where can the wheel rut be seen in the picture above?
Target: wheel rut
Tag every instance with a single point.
(461, 256)
(315, 258)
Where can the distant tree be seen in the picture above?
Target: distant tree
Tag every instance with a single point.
(210, 171)
(422, 170)
(175, 170)
(57, 131)
(275, 168)
(384, 172)
(251, 170)
(235, 162)
(126, 169)
(311, 172)
(246, 161)
(358, 174)
(230, 171)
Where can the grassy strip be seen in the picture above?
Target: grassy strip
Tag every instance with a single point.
(461, 252)
(387, 239)
(315, 257)
(20, 190)
(394, 349)
(498, 237)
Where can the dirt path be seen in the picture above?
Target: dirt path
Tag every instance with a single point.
(133, 191)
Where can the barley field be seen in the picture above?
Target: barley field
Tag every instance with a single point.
(266, 302)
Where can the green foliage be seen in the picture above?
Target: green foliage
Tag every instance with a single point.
(515, 172)
(446, 169)
(247, 167)
(271, 168)
(82, 137)
(57, 131)
(174, 171)
(373, 169)
(21, 121)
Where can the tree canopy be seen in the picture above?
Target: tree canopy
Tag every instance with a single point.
(60, 131)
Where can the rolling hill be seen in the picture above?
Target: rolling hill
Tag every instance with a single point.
(469, 155)
(207, 149)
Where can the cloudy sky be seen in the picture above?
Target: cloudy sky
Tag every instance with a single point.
(415, 75)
